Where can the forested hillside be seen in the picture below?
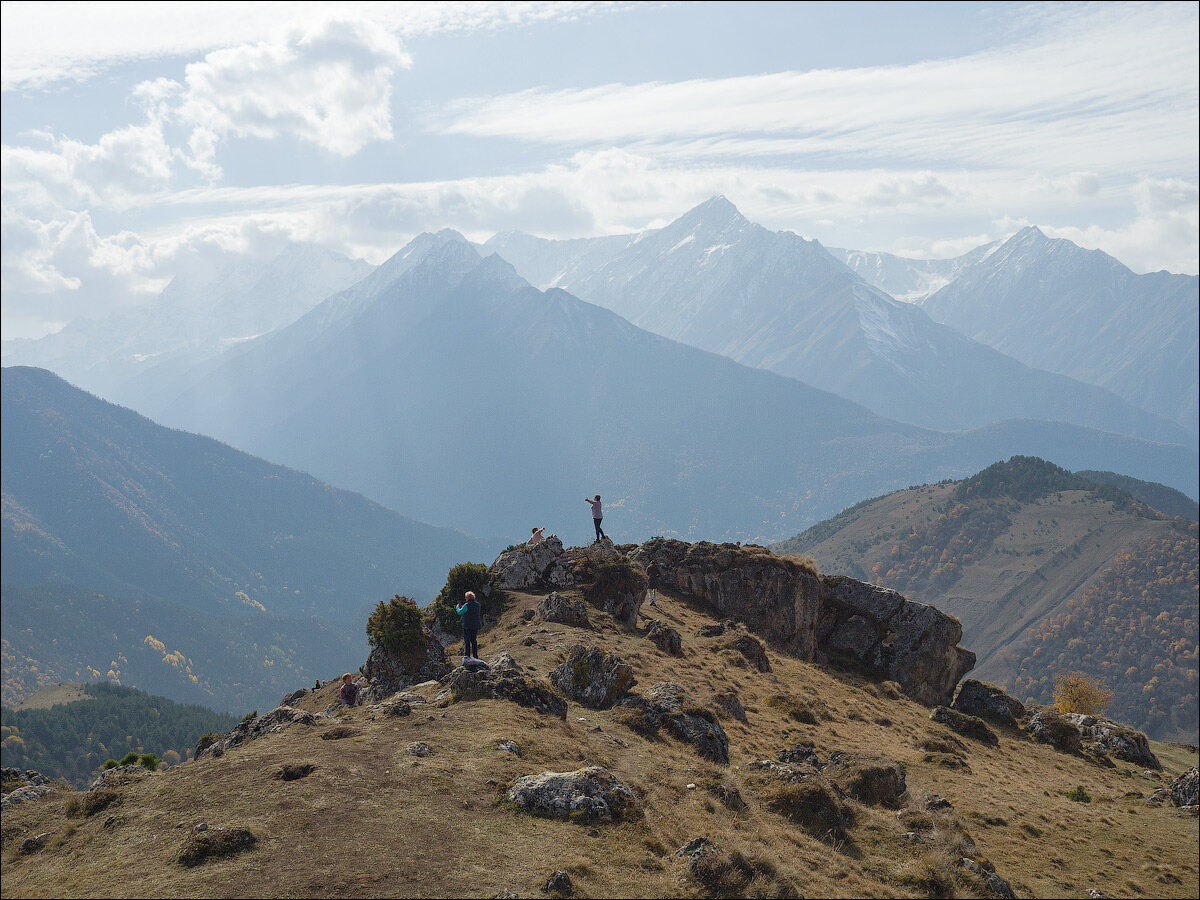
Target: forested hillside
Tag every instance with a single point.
(72, 740)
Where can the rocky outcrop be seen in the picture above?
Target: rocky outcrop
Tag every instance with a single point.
(774, 595)
(588, 795)
(1101, 736)
(465, 685)
(23, 786)
(593, 677)
(560, 609)
(1185, 790)
(665, 638)
(879, 633)
(1049, 727)
(873, 780)
(986, 701)
(730, 703)
(250, 729)
(525, 567)
(753, 651)
(667, 707)
(120, 775)
(610, 580)
(995, 885)
(968, 726)
(388, 672)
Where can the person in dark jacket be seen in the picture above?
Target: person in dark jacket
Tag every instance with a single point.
(349, 692)
(472, 619)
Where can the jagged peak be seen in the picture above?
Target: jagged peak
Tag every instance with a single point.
(715, 210)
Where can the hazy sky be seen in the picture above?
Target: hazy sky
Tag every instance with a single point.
(139, 136)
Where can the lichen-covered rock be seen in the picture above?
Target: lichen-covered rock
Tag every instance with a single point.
(594, 677)
(776, 596)
(610, 579)
(563, 610)
(665, 638)
(873, 780)
(688, 722)
(752, 649)
(1185, 790)
(504, 664)
(24, 794)
(388, 672)
(273, 722)
(1111, 739)
(589, 795)
(291, 698)
(1050, 728)
(120, 775)
(801, 754)
(23, 786)
(992, 883)
(878, 632)
(465, 685)
(967, 726)
(986, 701)
(525, 567)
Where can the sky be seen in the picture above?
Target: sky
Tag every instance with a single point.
(140, 138)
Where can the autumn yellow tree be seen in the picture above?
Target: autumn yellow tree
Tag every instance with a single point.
(1077, 692)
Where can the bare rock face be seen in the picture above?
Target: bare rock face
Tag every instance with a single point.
(774, 595)
(986, 701)
(665, 638)
(388, 672)
(273, 722)
(1112, 739)
(610, 579)
(522, 568)
(1185, 790)
(968, 726)
(593, 677)
(878, 632)
(466, 685)
(588, 795)
(678, 714)
(557, 608)
(1049, 727)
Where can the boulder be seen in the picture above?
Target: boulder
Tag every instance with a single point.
(388, 672)
(752, 649)
(214, 843)
(589, 795)
(716, 629)
(610, 579)
(1118, 741)
(967, 726)
(681, 718)
(120, 775)
(249, 729)
(992, 883)
(1049, 727)
(464, 685)
(24, 794)
(986, 701)
(525, 567)
(559, 884)
(593, 677)
(873, 780)
(504, 664)
(878, 632)
(291, 698)
(729, 703)
(802, 755)
(776, 596)
(665, 638)
(1184, 790)
(557, 608)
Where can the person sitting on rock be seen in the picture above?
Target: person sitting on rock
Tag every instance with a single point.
(597, 517)
(472, 619)
(349, 692)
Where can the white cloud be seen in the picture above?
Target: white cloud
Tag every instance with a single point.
(42, 43)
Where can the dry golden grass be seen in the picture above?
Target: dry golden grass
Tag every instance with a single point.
(370, 819)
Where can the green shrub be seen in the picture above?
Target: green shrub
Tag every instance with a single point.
(132, 758)
(1079, 795)
(395, 625)
(110, 764)
(150, 761)
(464, 577)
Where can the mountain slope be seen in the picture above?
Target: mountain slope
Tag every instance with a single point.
(772, 300)
(1009, 551)
(905, 278)
(199, 313)
(460, 393)
(1057, 306)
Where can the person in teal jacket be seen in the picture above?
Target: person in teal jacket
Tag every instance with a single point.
(472, 619)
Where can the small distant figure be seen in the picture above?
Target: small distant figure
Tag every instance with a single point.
(652, 596)
(349, 692)
(317, 685)
(537, 537)
(472, 619)
(597, 517)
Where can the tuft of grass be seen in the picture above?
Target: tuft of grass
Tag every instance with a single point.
(793, 707)
(215, 843)
(812, 806)
(1079, 795)
(82, 806)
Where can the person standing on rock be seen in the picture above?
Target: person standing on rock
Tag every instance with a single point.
(537, 537)
(597, 517)
(472, 619)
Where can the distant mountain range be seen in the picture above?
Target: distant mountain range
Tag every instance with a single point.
(905, 278)
(1023, 553)
(202, 311)
(773, 300)
(445, 385)
(120, 535)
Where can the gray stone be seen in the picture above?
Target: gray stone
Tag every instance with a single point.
(665, 638)
(933, 802)
(1184, 790)
(967, 726)
(995, 885)
(687, 722)
(878, 632)
(714, 630)
(25, 794)
(1117, 741)
(273, 722)
(563, 610)
(593, 677)
(509, 747)
(465, 685)
(419, 748)
(388, 672)
(873, 780)
(522, 568)
(589, 795)
(35, 844)
(291, 698)
(801, 754)
(729, 703)
(986, 701)
(752, 649)
(559, 883)
(120, 775)
(504, 664)
(1049, 727)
